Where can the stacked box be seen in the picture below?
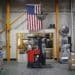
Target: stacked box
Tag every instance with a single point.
(48, 53)
(72, 61)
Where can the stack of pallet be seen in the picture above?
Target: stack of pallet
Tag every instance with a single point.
(72, 61)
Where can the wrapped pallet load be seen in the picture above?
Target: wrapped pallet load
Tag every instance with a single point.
(72, 61)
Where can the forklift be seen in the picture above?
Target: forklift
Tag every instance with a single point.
(36, 58)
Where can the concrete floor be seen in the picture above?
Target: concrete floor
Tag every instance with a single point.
(52, 68)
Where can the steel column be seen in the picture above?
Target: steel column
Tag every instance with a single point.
(57, 29)
(8, 30)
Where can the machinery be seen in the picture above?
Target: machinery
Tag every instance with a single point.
(42, 46)
(65, 44)
(36, 58)
(33, 58)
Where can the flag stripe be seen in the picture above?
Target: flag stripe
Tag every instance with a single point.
(27, 22)
(32, 22)
(37, 19)
(34, 27)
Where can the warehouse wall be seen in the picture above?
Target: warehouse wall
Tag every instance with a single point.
(73, 22)
(0, 24)
(0, 19)
(64, 19)
(20, 25)
(73, 31)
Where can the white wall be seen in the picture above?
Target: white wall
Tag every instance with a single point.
(74, 31)
(20, 25)
(64, 19)
(50, 19)
(0, 21)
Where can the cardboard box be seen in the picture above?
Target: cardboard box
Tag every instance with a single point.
(72, 66)
(72, 61)
(48, 53)
(72, 55)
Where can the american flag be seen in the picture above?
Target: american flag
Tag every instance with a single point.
(33, 23)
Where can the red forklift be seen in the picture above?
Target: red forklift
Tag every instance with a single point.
(36, 59)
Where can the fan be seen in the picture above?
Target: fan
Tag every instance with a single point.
(64, 30)
(42, 15)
